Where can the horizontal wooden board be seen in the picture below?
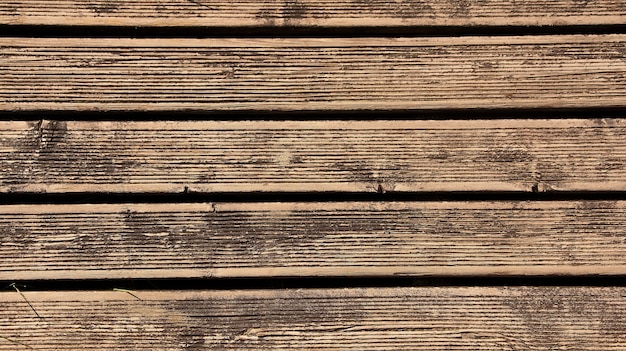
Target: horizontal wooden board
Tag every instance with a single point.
(313, 156)
(311, 239)
(452, 318)
(316, 13)
(312, 74)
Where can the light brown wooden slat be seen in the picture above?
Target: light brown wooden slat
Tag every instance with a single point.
(426, 318)
(313, 156)
(312, 74)
(311, 239)
(171, 13)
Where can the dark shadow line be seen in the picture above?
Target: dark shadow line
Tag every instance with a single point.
(416, 114)
(256, 197)
(319, 283)
(103, 31)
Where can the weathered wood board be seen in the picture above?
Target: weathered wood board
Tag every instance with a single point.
(313, 156)
(311, 239)
(453, 318)
(325, 77)
(313, 13)
(316, 74)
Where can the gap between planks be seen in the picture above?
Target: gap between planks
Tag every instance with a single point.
(312, 74)
(313, 156)
(424, 318)
(313, 13)
(226, 240)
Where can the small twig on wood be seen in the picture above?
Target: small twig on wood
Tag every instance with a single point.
(200, 4)
(130, 292)
(25, 299)
(16, 342)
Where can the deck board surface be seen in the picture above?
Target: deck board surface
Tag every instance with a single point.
(490, 84)
(312, 74)
(312, 239)
(313, 156)
(313, 13)
(428, 318)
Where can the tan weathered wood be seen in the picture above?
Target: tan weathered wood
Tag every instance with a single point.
(311, 239)
(312, 74)
(313, 156)
(170, 13)
(426, 318)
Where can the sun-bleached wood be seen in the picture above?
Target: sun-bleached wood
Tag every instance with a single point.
(312, 73)
(313, 13)
(313, 156)
(311, 239)
(425, 318)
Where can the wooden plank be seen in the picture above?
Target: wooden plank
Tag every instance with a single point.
(316, 13)
(426, 318)
(311, 239)
(313, 156)
(312, 74)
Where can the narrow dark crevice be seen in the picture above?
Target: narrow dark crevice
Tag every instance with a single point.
(49, 31)
(255, 197)
(313, 283)
(331, 115)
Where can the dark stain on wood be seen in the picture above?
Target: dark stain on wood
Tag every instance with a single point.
(104, 7)
(541, 307)
(508, 154)
(43, 134)
(411, 8)
(293, 11)
(258, 234)
(14, 235)
(257, 322)
(460, 8)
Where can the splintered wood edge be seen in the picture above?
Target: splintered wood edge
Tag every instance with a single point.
(311, 13)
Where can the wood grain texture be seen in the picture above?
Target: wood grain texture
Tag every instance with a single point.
(506, 318)
(311, 239)
(313, 156)
(314, 13)
(312, 74)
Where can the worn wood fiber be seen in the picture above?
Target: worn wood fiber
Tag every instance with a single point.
(313, 156)
(506, 318)
(312, 74)
(311, 239)
(314, 13)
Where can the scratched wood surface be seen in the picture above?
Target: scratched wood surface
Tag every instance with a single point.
(312, 73)
(313, 156)
(429, 318)
(314, 13)
(311, 239)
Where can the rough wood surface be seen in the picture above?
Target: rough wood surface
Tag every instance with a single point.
(312, 74)
(313, 156)
(311, 239)
(315, 13)
(507, 318)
